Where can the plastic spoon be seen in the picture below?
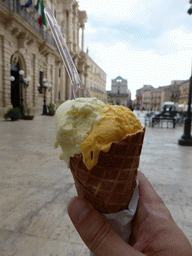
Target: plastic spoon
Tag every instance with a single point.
(78, 89)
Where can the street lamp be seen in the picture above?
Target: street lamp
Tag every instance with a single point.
(50, 87)
(12, 78)
(186, 139)
(45, 86)
(27, 80)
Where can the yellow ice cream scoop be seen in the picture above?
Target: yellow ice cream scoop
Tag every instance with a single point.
(116, 123)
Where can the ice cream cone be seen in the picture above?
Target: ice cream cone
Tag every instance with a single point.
(109, 185)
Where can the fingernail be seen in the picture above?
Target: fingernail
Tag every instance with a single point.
(78, 209)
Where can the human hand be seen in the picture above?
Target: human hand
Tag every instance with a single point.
(154, 231)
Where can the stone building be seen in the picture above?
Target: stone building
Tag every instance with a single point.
(143, 97)
(184, 95)
(119, 94)
(155, 99)
(96, 81)
(146, 97)
(27, 46)
(171, 92)
(151, 99)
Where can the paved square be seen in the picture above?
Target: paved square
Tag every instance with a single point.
(35, 186)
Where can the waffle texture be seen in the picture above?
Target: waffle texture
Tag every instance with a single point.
(109, 185)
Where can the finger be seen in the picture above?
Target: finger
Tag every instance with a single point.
(154, 229)
(146, 190)
(148, 202)
(96, 232)
(151, 209)
(149, 198)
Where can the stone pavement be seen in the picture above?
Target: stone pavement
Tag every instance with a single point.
(35, 187)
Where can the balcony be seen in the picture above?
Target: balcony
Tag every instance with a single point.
(15, 6)
(96, 90)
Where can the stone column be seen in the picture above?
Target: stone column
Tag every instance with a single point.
(62, 83)
(82, 20)
(75, 32)
(78, 28)
(70, 30)
(67, 87)
(66, 84)
(1, 73)
(51, 82)
(34, 78)
(82, 40)
(55, 83)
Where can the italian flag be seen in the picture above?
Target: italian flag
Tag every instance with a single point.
(41, 15)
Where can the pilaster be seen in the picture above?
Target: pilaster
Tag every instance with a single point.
(70, 30)
(68, 87)
(56, 84)
(82, 39)
(62, 84)
(6, 73)
(34, 79)
(75, 22)
(1, 73)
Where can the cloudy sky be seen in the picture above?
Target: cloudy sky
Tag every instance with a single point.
(144, 41)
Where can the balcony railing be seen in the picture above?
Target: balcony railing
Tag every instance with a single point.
(96, 90)
(15, 6)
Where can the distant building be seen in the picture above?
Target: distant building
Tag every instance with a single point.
(119, 94)
(151, 99)
(96, 81)
(171, 92)
(184, 94)
(143, 96)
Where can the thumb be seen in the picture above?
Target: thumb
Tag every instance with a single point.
(95, 230)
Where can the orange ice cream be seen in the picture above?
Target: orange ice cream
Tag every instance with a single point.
(116, 123)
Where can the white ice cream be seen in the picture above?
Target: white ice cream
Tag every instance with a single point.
(75, 119)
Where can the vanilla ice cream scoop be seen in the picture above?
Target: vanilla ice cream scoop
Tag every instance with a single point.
(75, 119)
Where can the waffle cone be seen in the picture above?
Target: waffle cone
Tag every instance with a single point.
(109, 185)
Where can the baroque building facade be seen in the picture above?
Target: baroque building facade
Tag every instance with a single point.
(119, 94)
(27, 46)
(152, 99)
